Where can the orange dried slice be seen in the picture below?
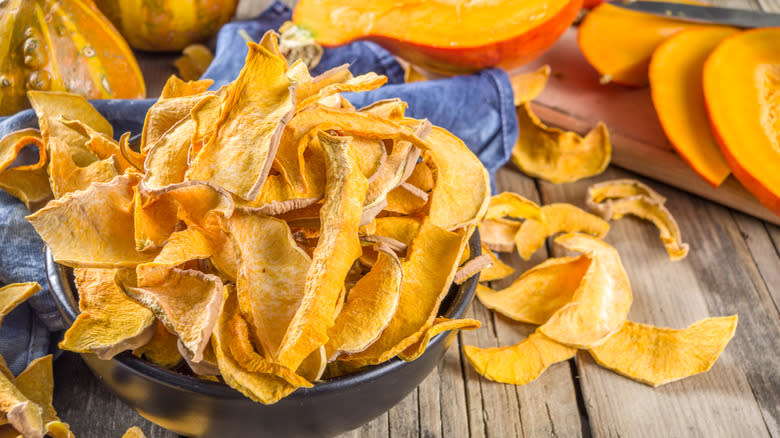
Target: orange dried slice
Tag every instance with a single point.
(307, 86)
(36, 382)
(399, 228)
(154, 219)
(92, 228)
(313, 367)
(12, 144)
(336, 251)
(499, 235)
(472, 267)
(656, 356)
(29, 186)
(162, 349)
(271, 275)
(127, 151)
(511, 205)
(559, 156)
(369, 308)
(600, 304)
(528, 86)
(102, 146)
(23, 414)
(193, 62)
(58, 429)
(110, 322)
(518, 364)
(169, 111)
(599, 194)
(497, 269)
(175, 87)
(14, 294)
(206, 367)
(406, 199)
(134, 432)
(440, 325)
(187, 302)
(558, 218)
(65, 176)
(540, 292)
(366, 82)
(393, 109)
(255, 109)
(182, 246)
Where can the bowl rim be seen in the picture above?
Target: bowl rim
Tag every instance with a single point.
(453, 305)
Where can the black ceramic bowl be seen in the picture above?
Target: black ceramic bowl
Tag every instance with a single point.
(197, 407)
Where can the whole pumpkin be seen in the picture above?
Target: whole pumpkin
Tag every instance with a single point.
(65, 45)
(167, 25)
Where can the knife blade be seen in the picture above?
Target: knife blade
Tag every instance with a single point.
(703, 14)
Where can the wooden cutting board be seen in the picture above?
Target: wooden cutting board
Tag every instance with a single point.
(575, 100)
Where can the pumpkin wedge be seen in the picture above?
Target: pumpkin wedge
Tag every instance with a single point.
(676, 87)
(618, 43)
(742, 93)
(65, 45)
(446, 37)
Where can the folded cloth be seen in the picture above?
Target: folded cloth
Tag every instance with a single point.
(478, 108)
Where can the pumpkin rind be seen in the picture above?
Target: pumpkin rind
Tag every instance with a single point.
(443, 37)
(65, 45)
(742, 93)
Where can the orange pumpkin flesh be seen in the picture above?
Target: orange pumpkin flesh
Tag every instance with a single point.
(742, 93)
(618, 43)
(676, 87)
(443, 36)
(65, 45)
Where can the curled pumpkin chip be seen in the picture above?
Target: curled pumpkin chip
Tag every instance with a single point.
(175, 87)
(499, 235)
(14, 294)
(102, 146)
(557, 218)
(520, 363)
(181, 247)
(65, 176)
(537, 294)
(365, 82)
(29, 186)
(22, 413)
(109, 322)
(36, 382)
(559, 156)
(617, 189)
(440, 325)
(193, 62)
(14, 143)
(134, 432)
(497, 269)
(528, 86)
(514, 206)
(656, 356)
(162, 348)
(601, 302)
(472, 268)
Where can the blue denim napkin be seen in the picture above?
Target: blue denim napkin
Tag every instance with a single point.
(478, 108)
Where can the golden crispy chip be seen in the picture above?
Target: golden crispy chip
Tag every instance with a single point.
(12, 144)
(497, 269)
(365, 82)
(66, 177)
(429, 268)
(559, 156)
(472, 268)
(110, 322)
(600, 304)
(313, 367)
(23, 414)
(29, 186)
(206, 367)
(528, 86)
(93, 227)
(393, 109)
(193, 62)
(422, 177)
(370, 306)
(406, 199)
(167, 158)
(558, 218)
(255, 108)
(499, 234)
(205, 114)
(537, 294)
(154, 219)
(271, 275)
(187, 302)
(102, 146)
(162, 349)
(175, 87)
(520, 363)
(511, 205)
(200, 203)
(15, 294)
(369, 155)
(136, 159)
(308, 86)
(58, 429)
(462, 190)
(169, 111)
(36, 382)
(656, 356)
(134, 432)
(182, 246)
(440, 325)
(52, 106)
(617, 189)
(336, 251)
(402, 229)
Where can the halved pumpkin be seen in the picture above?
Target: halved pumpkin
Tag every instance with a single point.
(742, 94)
(618, 43)
(676, 87)
(443, 36)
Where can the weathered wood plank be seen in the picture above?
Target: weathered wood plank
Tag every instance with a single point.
(454, 411)
(404, 418)
(763, 252)
(717, 278)
(429, 405)
(90, 408)
(378, 428)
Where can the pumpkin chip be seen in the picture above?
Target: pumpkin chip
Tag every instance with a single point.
(558, 218)
(207, 366)
(66, 177)
(193, 62)
(14, 294)
(109, 321)
(29, 186)
(181, 247)
(175, 87)
(102, 146)
(528, 86)
(23, 414)
(656, 356)
(472, 268)
(513, 206)
(136, 159)
(36, 382)
(559, 156)
(134, 432)
(601, 302)
(497, 270)
(440, 325)
(499, 234)
(12, 145)
(366, 82)
(308, 86)
(540, 292)
(162, 348)
(617, 189)
(518, 364)
(313, 367)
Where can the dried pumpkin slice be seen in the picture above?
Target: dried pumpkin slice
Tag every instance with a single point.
(182, 246)
(14, 294)
(162, 349)
(193, 62)
(134, 432)
(336, 251)
(370, 306)
(406, 199)
(499, 235)
(66, 177)
(514, 206)
(440, 325)
(58, 429)
(400, 228)
(255, 109)
(656, 356)
(271, 274)
(154, 219)
(36, 382)
(518, 364)
(102, 146)
(166, 160)
(92, 228)
(528, 86)
(393, 109)
(599, 194)
(600, 304)
(110, 322)
(559, 156)
(23, 414)
(29, 186)
(167, 113)
(365, 82)
(12, 145)
(497, 269)
(472, 267)
(206, 367)
(540, 292)
(313, 367)
(176, 87)
(429, 268)
(308, 86)
(558, 218)
(187, 302)
(127, 151)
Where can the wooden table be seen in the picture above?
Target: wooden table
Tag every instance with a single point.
(733, 267)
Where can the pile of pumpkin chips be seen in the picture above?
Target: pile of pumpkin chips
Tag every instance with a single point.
(582, 301)
(267, 234)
